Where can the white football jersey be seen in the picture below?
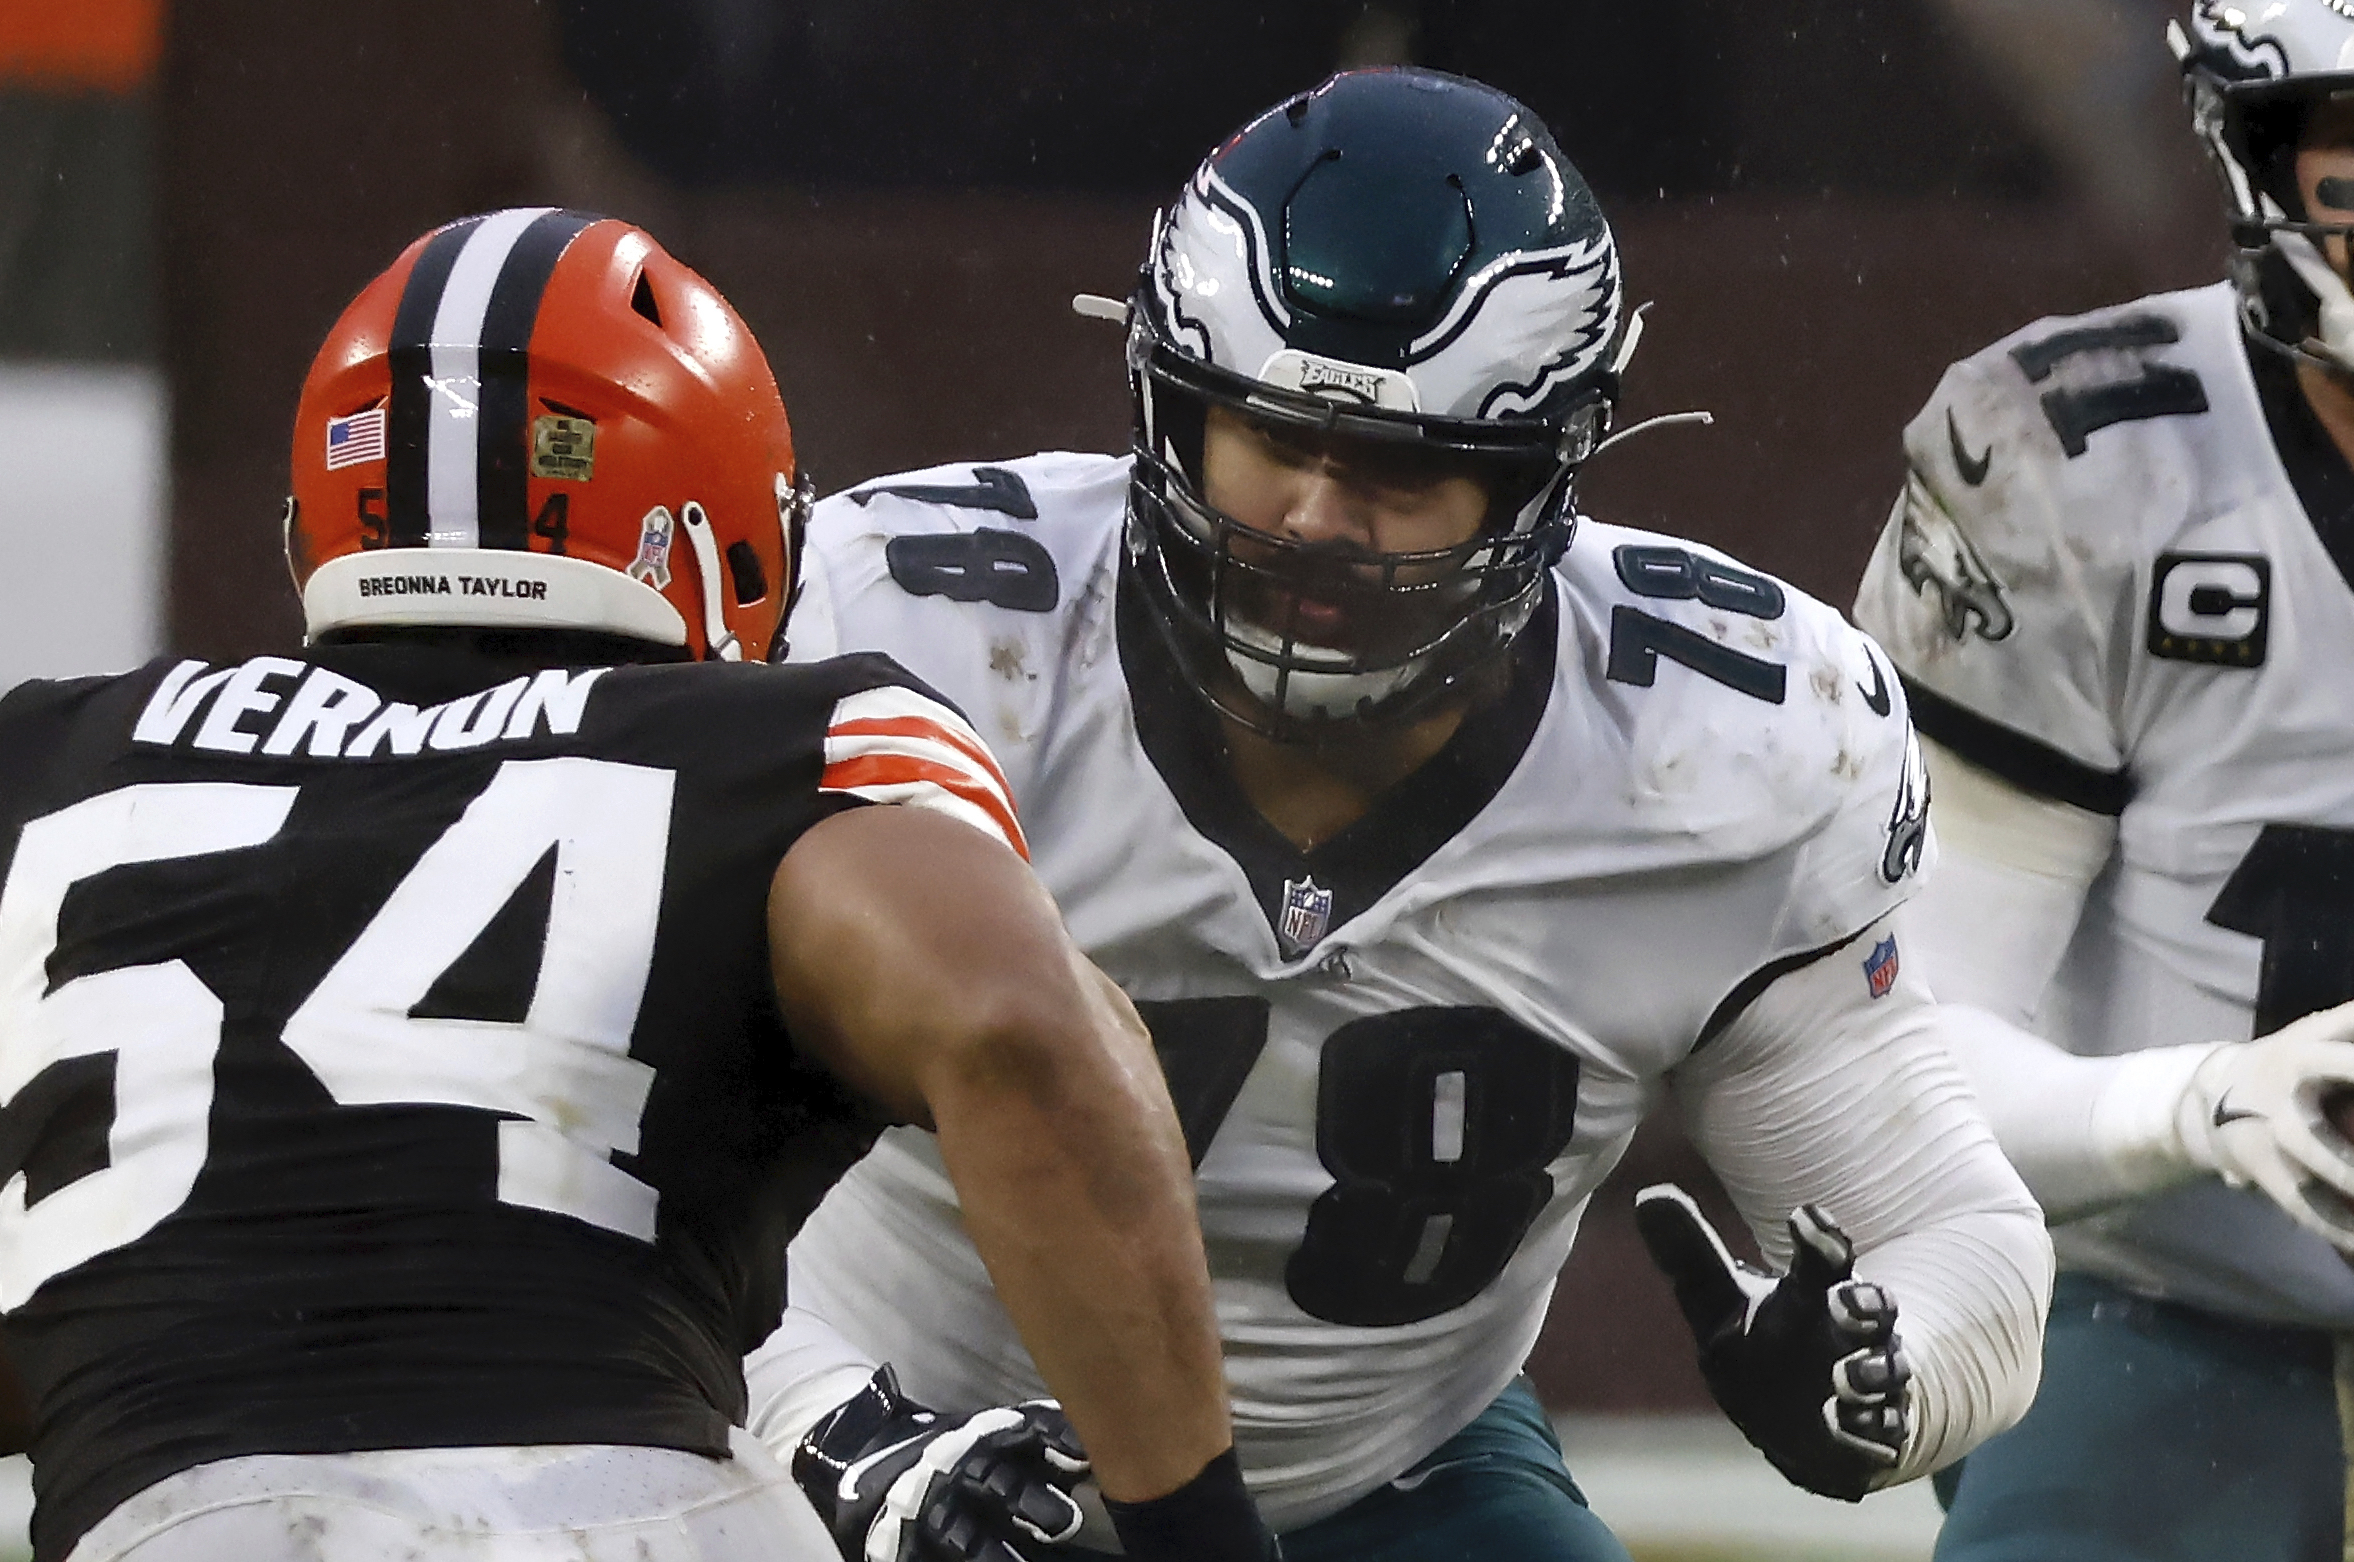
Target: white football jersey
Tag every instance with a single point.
(2118, 577)
(1405, 1059)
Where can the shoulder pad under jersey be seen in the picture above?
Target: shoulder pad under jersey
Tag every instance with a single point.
(1751, 719)
(2041, 476)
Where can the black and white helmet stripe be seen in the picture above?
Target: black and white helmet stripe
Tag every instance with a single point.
(457, 427)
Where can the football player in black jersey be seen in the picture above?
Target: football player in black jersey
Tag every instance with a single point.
(415, 1053)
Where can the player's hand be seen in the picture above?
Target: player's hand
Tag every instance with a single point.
(2254, 1115)
(1807, 1364)
(899, 1483)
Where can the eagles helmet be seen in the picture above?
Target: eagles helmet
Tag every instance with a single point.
(1400, 256)
(2254, 72)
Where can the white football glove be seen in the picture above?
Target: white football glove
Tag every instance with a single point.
(2253, 1116)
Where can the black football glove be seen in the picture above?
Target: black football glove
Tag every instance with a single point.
(896, 1482)
(1808, 1364)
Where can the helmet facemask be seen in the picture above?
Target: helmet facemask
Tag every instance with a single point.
(1312, 641)
(1398, 269)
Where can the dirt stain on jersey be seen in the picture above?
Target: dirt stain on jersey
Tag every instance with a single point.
(306, 1536)
(1009, 659)
(1087, 635)
(1829, 687)
(1846, 766)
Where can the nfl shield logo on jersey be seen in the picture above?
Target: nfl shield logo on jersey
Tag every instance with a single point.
(1307, 912)
(1880, 966)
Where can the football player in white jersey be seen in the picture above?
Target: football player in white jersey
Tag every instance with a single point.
(2117, 588)
(1434, 856)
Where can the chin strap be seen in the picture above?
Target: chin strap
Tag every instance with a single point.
(2334, 338)
(1663, 420)
(716, 634)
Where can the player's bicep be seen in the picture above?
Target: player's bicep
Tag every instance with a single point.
(895, 930)
(1990, 925)
(898, 936)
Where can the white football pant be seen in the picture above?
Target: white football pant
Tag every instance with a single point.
(568, 1503)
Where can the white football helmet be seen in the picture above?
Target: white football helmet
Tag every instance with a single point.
(2254, 70)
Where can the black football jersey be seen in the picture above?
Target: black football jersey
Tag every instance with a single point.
(388, 1052)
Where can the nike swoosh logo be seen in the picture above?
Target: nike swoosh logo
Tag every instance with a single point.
(1973, 470)
(1877, 695)
(847, 1491)
(2225, 1112)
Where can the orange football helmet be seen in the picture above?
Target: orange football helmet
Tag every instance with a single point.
(539, 419)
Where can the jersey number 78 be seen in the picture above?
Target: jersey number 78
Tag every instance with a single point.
(1437, 1125)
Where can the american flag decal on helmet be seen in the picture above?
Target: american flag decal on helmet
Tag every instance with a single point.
(894, 745)
(357, 438)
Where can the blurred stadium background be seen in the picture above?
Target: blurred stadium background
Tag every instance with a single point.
(1828, 202)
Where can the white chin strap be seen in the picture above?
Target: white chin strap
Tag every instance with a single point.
(2336, 326)
(1305, 694)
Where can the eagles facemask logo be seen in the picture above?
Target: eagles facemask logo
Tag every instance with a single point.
(1934, 555)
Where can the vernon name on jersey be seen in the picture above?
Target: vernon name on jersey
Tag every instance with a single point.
(2119, 577)
(317, 710)
(1405, 1059)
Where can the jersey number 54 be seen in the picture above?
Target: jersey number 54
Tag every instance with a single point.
(562, 1080)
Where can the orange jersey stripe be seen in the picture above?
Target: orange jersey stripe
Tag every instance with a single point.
(920, 727)
(881, 770)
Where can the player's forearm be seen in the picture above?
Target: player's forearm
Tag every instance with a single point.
(1986, 933)
(800, 1372)
(1820, 1093)
(918, 958)
(1972, 1291)
(2085, 1133)
(1076, 1188)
